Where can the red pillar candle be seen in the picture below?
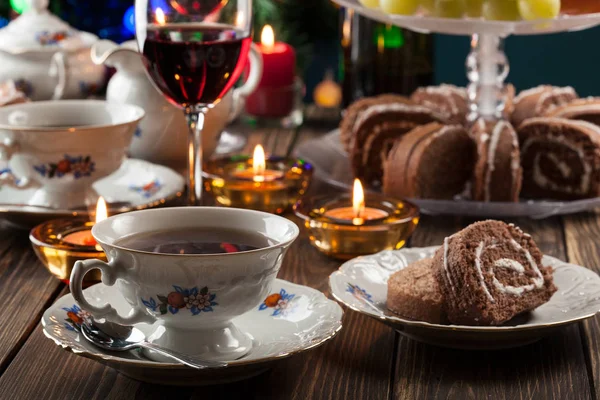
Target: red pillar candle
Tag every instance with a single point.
(274, 96)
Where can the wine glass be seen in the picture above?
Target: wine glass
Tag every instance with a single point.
(194, 52)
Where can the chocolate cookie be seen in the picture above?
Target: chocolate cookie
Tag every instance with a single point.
(448, 100)
(433, 161)
(413, 292)
(489, 273)
(539, 101)
(498, 174)
(375, 130)
(560, 159)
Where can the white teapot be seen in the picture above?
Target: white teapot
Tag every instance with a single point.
(162, 134)
(47, 58)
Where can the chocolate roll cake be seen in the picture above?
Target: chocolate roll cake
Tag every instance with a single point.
(489, 273)
(498, 174)
(353, 111)
(539, 101)
(432, 161)
(448, 100)
(560, 159)
(413, 292)
(375, 130)
(587, 109)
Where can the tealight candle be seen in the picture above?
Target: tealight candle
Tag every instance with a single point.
(345, 228)
(84, 237)
(358, 213)
(271, 184)
(60, 243)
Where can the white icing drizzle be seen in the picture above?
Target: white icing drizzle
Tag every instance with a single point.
(538, 280)
(496, 133)
(574, 110)
(530, 92)
(542, 180)
(478, 253)
(553, 92)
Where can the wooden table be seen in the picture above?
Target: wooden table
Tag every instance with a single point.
(367, 360)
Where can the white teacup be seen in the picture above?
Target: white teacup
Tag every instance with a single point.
(62, 147)
(159, 286)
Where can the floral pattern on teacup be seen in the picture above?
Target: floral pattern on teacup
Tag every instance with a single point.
(359, 293)
(24, 86)
(197, 301)
(281, 303)
(88, 89)
(138, 132)
(75, 317)
(79, 167)
(149, 189)
(46, 38)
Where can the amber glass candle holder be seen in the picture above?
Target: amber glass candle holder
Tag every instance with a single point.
(233, 184)
(392, 224)
(58, 255)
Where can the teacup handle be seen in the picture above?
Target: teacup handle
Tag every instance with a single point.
(240, 94)
(8, 147)
(108, 278)
(58, 68)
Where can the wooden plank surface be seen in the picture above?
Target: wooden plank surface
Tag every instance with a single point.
(553, 368)
(582, 233)
(26, 288)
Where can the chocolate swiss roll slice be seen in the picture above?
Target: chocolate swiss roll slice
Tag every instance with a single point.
(433, 161)
(448, 100)
(498, 174)
(539, 101)
(587, 109)
(489, 273)
(560, 159)
(353, 111)
(376, 129)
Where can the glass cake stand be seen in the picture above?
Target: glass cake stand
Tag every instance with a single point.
(487, 65)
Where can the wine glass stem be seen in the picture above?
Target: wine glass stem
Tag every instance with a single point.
(195, 118)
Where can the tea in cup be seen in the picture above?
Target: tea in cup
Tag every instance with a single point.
(189, 271)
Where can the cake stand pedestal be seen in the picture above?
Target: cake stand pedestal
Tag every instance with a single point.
(487, 65)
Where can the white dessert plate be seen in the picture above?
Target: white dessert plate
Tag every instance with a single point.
(137, 184)
(361, 284)
(332, 166)
(293, 319)
(469, 26)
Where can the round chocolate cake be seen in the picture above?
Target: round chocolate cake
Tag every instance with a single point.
(498, 174)
(375, 130)
(560, 159)
(539, 101)
(587, 109)
(413, 292)
(489, 273)
(353, 111)
(432, 161)
(448, 100)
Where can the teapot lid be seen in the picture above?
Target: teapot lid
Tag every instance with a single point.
(39, 30)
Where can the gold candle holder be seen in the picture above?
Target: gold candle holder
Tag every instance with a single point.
(59, 255)
(274, 186)
(385, 224)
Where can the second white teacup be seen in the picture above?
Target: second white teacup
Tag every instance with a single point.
(191, 298)
(61, 147)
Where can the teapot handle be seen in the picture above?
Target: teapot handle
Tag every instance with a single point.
(58, 68)
(240, 94)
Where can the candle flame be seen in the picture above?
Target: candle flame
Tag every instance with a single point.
(267, 36)
(259, 163)
(101, 212)
(358, 200)
(160, 16)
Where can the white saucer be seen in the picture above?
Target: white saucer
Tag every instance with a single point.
(301, 319)
(137, 184)
(361, 284)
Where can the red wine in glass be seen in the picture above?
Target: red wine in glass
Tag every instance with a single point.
(195, 63)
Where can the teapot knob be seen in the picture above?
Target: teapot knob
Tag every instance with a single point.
(38, 5)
